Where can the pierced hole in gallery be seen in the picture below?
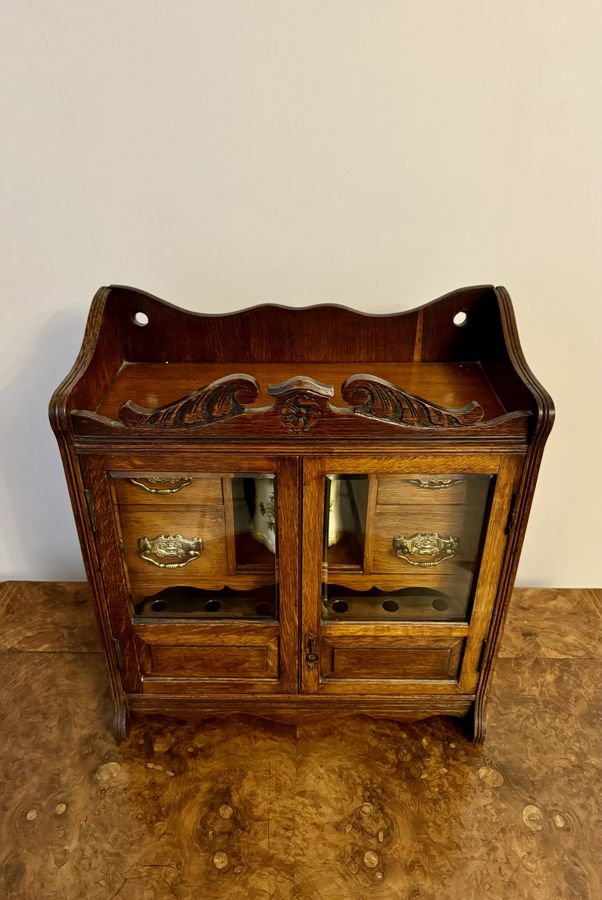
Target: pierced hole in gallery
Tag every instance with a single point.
(140, 318)
(158, 605)
(461, 318)
(213, 605)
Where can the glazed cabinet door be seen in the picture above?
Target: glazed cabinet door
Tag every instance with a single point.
(199, 560)
(402, 557)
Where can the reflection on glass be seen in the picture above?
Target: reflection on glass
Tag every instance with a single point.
(399, 548)
(200, 546)
(254, 505)
(345, 520)
(264, 516)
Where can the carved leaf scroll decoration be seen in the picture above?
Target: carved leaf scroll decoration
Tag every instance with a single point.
(376, 398)
(302, 403)
(221, 399)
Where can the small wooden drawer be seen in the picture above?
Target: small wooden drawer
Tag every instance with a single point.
(172, 545)
(418, 540)
(179, 652)
(428, 490)
(166, 490)
(212, 662)
(358, 657)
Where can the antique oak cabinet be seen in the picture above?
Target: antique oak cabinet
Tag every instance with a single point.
(291, 512)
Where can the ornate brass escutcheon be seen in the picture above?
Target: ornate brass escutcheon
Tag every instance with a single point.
(169, 551)
(425, 548)
(435, 484)
(178, 484)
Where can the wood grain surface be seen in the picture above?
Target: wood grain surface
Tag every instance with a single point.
(350, 809)
(449, 384)
(551, 638)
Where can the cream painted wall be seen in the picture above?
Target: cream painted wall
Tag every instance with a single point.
(372, 153)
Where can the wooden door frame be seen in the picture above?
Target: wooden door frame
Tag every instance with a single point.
(96, 473)
(505, 466)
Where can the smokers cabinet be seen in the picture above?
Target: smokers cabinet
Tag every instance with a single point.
(294, 512)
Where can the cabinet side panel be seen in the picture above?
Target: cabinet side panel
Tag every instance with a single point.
(76, 484)
(115, 595)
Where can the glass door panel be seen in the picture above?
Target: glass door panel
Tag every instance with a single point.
(199, 547)
(200, 570)
(403, 547)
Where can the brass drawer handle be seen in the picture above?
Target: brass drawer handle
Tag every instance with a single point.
(169, 547)
(157, 479)
(425, 548)
(435, 484)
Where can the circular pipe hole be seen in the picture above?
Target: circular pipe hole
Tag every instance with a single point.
(390, 605)
(263, 609)
(461, 318)
(213, 605)
(440, 604)
(340, 606)
(140, 318)
(158, 605)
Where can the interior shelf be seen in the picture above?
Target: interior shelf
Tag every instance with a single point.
(407, 604)
(186, 602)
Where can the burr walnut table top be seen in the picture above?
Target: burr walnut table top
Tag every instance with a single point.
(244, 808)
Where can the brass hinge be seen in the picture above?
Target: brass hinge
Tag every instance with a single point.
(91, 510)
(512, 513)
(481, 656)
(121, 547)
(118, 653)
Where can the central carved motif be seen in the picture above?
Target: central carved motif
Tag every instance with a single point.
(300, 412)
(301, 402)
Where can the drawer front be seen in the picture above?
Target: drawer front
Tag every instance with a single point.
(356, 658)
(230, 659)
(428, 490)
(210, 661)
(172, 546)
(412, 539)
(167, 490)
